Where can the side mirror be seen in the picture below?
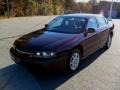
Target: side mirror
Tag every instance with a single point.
(90, 30)
(109, 18)
(46, 25)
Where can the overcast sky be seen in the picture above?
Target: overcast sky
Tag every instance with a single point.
(97, 0)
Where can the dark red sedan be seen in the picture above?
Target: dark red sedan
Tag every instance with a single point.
(65, 41)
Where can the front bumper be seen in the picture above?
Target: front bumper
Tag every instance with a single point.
(58, 61)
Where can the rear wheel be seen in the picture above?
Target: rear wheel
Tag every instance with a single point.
(109, 41)
(74, 60)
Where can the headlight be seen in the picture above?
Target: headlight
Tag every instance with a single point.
(45, 54)
(38, 53)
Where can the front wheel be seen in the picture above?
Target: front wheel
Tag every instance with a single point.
(74, 60)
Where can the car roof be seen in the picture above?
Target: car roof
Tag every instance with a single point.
(86, 15)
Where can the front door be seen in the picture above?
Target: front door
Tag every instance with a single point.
(91, 40)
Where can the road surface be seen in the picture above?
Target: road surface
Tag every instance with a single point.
(100, 71)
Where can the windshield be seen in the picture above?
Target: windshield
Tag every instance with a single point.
(65, 24)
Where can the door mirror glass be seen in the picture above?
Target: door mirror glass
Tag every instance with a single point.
(46, 25)
(109, 18)
(91, 30)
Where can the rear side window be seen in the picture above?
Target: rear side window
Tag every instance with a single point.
(106, 20)
(101, 21)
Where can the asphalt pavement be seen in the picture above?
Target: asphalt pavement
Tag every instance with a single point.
(100, 71)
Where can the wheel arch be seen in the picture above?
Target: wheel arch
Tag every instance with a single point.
(111, 30)
(111, 33)
(80, 48)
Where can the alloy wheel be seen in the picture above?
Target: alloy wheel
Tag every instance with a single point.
(109, 41)
(74, 61)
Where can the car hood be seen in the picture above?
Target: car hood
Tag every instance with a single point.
(41, 41)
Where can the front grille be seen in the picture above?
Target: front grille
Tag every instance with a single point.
(29, 57)
(22, 53)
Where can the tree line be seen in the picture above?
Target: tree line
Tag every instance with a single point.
(16, 8)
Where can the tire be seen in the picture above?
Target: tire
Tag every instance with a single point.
(74, 60)
(109, 41)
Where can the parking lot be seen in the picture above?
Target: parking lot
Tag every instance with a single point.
(100, 71)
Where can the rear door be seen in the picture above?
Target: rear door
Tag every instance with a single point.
(103, 29)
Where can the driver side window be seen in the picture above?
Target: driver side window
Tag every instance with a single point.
(92, 23)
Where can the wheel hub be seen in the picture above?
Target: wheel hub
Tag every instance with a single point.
(74, 61)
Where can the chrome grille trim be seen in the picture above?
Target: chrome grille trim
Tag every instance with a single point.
(22, 52)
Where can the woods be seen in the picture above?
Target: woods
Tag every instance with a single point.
(16, 8)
